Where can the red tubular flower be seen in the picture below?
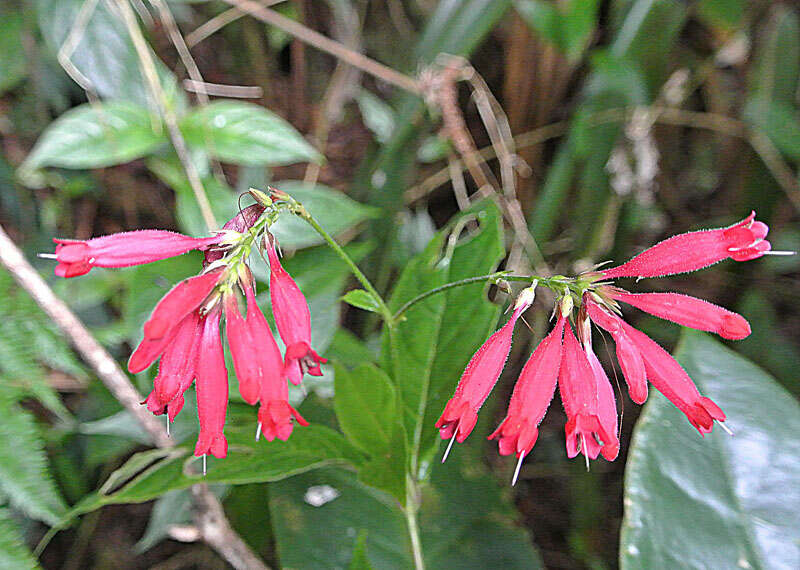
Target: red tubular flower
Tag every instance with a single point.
(77, 257)
(627, 353)
(687, 311)
(671, 379)
(170, 311)
(695, 250)
(212, 391)
(531, 397)
(244, 349)
(177, 367)
(484, 368)
(240, 223)
(606, 405)
(578, 386)
(293, 320)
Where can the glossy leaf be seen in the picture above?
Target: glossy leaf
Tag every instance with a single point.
(719, 501)
(334, 210)
(97, 135)
(366, 406)
(439, 334)
(247, 134)
(361, 299)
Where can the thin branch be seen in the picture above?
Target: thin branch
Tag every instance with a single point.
(220, 90)
(212, 524)
(150, 74)
(219, 21)
(313, 38)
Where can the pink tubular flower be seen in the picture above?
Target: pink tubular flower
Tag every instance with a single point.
(531, 397)
(77, 257)
(293, 320)
(687, 311)
(627, 353)
(606, 405)
(671, 379)
(461, 412)
(695, 250)
(586, 432)
(170, 311)
(212, 391)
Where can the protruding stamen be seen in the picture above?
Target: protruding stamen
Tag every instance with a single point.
(516, 471)
(167, 416)
(449, 447)
(585, 451)
(204, 465)
(258, 431)
(46, 255)
(725, 428)
(770, 252)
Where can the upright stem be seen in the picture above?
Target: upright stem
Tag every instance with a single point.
(363, 279)
(410, 511)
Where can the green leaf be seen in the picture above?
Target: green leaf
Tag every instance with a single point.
(779, 121)
(725, 13)
(377, 115)
(150, 474)
(13, 66)
(13, 552)
(247, 134)
(359, 561)
(104, 54)
(24, 472)
(362, 299)
(567, 25)
(335, 211)
(367, 411)
(439, 334)
(776, 66)
(719, 501)
(95, 135)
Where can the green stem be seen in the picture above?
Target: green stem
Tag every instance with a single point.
(410, 511)
(365, 282)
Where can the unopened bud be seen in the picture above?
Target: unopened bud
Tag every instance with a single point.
(526, 297)
(260, 197)
(566, 305)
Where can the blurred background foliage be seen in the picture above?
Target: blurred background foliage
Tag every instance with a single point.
(632, 120)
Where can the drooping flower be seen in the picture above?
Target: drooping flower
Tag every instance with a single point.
(484, 368)
(77, 257)
(628, 355)
(212, 390)
(182, 300)
(293, 320)
(695, 250)
(671, 379)
(531, 397)
(687, 311)
(176, 369)
(586, 432)
(606, 403)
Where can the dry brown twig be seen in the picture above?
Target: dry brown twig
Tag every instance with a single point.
(212, 525)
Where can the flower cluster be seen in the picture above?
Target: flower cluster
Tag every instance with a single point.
(183, 330)
(568, 361)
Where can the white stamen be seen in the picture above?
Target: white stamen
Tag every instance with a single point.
(204, 465)
(725, 428)
(585, 451)
(516, 471)
(47, 255)
(449, 447)
(258, 431)
(167, 425)
(770, 252)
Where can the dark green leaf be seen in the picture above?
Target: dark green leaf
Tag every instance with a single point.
(718, 502)
(366, 407)
(97, 135)
(13, 66)
(725, 13)
(440, 334)
(777, 58)
(335, 211)
(24, 472)
(567, 25)
(359, 561)
(778, 121)
(362, 299)
(243, 133)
